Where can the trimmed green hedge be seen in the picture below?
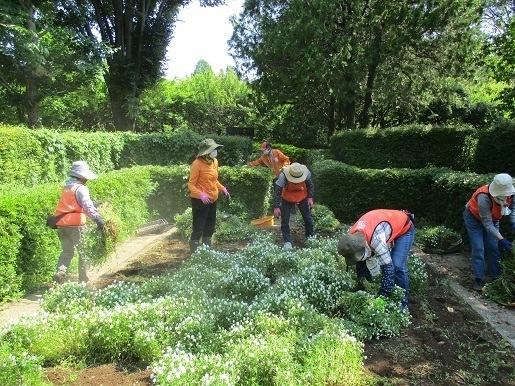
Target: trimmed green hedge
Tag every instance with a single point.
(30, 250)
(435, 195)
(31, 157)
(494, 152)
(413, 147)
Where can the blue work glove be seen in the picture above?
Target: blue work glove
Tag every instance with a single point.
(512, 228)
(504, 244)
(100, 223)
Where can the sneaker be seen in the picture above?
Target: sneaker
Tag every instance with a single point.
(59, 278)
(287, 245)
(478, 285)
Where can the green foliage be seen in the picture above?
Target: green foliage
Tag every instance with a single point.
(236, 150)
(17, 144)
(370, 317)
(417, 274)
(229, 227)
(250, 191)
(436, 239)
(10, 281)
(18, 368)
(412, 147)
(31, 249)
(493, 155)
(323, 219)
(171, 195)
(361, 190)
(160, 148)
(502, 290)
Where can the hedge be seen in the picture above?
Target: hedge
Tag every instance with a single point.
(435, 195)
(32, 157)
(30, 250)
(414, 147)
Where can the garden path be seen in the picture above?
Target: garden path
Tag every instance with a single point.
(124, 254)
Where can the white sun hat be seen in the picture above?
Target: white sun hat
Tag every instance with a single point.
(502, 185)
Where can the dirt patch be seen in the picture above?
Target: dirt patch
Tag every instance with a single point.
(447, 343)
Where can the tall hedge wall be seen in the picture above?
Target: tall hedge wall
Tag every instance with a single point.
(437, 196)
(412, 147)
(29, 250)
(31, 157)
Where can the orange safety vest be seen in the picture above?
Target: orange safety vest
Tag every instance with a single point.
(294, 192)
(367, 224)
(68, 204)
(495, 209)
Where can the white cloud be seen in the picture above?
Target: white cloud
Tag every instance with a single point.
(201, 33)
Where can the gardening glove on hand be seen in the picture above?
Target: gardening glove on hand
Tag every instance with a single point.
(100, 223)
(512, 228)
(310, 202)
(504, 244)
(226, 192)
(277, 212)
(204, 198)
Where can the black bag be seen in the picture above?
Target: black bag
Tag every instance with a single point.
(52, 221)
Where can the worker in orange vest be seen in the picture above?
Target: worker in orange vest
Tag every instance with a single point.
(294, 187)
(368, 246)
(271, 158)
(74, 207)
(488, 204)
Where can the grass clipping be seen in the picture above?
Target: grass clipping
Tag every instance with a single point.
(502, 290)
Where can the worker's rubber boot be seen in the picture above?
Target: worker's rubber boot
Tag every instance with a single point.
(193, 245)
(207, 241)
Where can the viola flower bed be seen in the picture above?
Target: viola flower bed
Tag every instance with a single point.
(260, 316)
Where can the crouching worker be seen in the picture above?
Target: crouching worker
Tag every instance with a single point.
(74, 207)
(367, 246)
(294, 187)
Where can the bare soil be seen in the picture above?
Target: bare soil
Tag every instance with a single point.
(447, 343)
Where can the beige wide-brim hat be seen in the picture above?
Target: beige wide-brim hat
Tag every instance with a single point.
(80, 169)
(502, 185)
(352, 247)
(295, 172)
(207, 146)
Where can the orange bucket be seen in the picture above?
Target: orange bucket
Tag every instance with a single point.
(263, 221)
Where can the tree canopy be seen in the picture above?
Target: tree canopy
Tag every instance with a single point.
(347, 64)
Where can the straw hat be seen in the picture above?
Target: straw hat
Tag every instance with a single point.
(295, 172)
(352, 247)
(80, 169)
(502, 185)
(207, 146)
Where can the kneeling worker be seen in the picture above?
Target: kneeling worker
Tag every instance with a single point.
(367, 246)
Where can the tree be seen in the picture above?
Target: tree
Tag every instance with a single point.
(500, 22)
(205, 102)
(331, 60)
(38, 57)
(136, 34)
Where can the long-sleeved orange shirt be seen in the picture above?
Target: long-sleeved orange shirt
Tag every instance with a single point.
(204, 178)
(276, 160)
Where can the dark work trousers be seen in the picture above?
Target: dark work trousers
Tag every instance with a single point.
(286, 208)
(204, 219)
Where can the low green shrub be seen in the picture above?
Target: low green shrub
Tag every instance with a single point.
(323, 220)
(436, 239)
(502, 290)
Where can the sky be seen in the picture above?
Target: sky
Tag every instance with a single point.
(201, 33)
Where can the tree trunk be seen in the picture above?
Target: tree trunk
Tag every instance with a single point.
(365, 118)
(121, 105)
(32, 104)
(331, 123)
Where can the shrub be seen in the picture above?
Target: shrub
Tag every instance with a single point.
(436, 239)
